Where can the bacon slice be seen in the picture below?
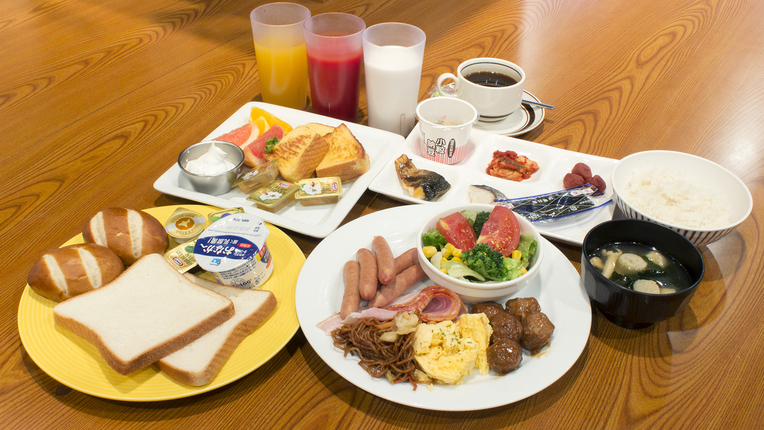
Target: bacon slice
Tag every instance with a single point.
(434, 304)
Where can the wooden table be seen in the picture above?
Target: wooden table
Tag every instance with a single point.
(97, 99)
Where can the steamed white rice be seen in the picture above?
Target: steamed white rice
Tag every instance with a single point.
(672, 198)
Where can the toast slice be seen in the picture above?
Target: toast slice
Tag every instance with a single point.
(148, 312)
(299, 152)
(346, 157)
(321, 129)
(200, 361)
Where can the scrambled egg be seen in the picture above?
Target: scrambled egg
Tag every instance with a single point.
(447, 351)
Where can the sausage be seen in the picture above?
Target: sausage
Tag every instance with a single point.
(385, 260)
(405, 260)
(368, 269)
(403, 281)
(351, 299)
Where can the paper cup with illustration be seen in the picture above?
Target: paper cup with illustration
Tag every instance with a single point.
(445, 125)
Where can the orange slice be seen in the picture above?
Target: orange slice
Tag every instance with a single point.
(270, 118)
(262, 124)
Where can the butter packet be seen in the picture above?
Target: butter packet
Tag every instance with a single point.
(182, 256)
(185, 224)
(319, 191)
(274, 196)
(257, 177)
(214, 216)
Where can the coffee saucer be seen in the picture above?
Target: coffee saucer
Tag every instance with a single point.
(521, 121)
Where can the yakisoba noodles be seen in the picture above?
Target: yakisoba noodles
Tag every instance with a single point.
(393, 360)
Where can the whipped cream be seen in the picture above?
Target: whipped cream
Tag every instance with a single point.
(213, 162)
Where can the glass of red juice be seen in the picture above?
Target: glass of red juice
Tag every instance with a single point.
(334, 44)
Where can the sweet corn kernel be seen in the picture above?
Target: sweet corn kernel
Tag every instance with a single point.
(517, 254)
(443, 260)
(457, 253)
(447, 250)
(429, 251)
(523, 270)
(455, 258)
(443, 269)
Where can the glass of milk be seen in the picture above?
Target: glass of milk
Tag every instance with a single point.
(392, 57)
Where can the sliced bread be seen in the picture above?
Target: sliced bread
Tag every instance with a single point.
(148, 312)
(346, 157)
(298, 153)
(200, 361)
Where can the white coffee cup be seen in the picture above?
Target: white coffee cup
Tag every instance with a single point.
(501, 91)
(445, 125)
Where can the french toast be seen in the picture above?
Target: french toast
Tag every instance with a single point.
(299, 152)
(321, 129)
(346, 157)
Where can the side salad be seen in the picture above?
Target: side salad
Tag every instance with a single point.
(480, 246)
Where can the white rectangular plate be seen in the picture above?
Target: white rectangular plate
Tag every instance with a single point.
(317, 221)
(553, 163)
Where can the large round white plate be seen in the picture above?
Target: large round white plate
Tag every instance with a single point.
(524, 119)
(557, 288)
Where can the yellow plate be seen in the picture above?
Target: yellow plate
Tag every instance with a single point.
(77, 364)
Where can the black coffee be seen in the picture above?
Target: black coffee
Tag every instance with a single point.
(491, 79)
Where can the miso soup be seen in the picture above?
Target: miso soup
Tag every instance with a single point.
(640, 268)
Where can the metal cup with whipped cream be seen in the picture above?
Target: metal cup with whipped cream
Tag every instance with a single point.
(210, 167)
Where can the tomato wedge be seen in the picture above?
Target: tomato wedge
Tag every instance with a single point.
(457, 231)
(501, 231)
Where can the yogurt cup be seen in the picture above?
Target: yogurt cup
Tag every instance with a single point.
(234, 250)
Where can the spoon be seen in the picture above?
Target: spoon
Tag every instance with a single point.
(543, 105)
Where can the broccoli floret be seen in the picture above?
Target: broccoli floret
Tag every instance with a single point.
(434, 238)
(486, 261)
(480, 219)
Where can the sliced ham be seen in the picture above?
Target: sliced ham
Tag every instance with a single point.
(433, 304)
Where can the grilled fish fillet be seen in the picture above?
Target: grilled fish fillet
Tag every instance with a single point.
(421, 184)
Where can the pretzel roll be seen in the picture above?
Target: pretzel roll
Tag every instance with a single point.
(129, 233)
(75, 269)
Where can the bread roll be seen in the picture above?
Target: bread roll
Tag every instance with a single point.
(66, 272)
(131, 234)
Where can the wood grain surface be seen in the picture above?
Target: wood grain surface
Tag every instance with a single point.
(97, 98)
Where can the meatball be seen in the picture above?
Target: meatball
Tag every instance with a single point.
(505, 356)
(488, 308)
(522, 306)
(537, 330)
(505, 327)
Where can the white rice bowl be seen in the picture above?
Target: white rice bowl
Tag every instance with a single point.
(689, 194)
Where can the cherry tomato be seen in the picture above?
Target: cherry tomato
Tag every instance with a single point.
(457, 231)
(502, 231)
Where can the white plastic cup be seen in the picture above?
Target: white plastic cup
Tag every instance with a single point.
(445, 125)
(493, 103)
(280, 51)
(335, 53)
(392, 55)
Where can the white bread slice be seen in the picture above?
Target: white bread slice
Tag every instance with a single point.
(346, 157)
(200, 361)
(148, 312)
(298, 153)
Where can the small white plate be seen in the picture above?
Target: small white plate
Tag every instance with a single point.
(554, 163)
(521, 121)
(557, 288)
(316, 221)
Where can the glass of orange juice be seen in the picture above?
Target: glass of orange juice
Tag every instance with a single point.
(280, 52)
